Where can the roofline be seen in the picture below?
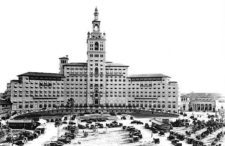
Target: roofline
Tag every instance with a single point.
(49, 74)
(173, 82)
(117, 65)
(149, 77)
(14, 81)
(63, 58)
(76, 64)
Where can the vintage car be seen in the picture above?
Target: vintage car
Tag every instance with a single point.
(64, 139)
(54, 143)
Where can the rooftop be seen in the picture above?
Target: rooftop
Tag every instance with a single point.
(63, 58)
(148, 76)
(76, 64)
(14, 80)
(173, 82)
(42, 74)
(111, 64)
(194, 96)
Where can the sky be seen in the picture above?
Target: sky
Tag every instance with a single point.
(182, 39)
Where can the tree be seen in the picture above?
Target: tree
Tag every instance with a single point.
(70, 103)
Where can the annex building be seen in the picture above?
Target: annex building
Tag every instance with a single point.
(95, 82)
(201, 102)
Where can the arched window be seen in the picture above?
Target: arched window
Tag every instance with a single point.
(96, 46)
(96, 101)
(96, 71)
(96, 28)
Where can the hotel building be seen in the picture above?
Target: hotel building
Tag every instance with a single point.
(95, 82)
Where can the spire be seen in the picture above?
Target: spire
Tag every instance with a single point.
(96, 13)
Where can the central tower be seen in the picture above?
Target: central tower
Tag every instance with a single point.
(96, 81)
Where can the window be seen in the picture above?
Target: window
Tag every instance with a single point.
(96, 27)
(96, 46)
(96, 71)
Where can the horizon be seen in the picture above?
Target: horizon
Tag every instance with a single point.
(186, 38)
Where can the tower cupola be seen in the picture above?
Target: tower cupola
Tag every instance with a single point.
(96, 13)
(96, 22)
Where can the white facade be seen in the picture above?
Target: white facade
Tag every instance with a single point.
(153, 91)
(95, 82)
(202, 101)
(184, 103)
(34, 91)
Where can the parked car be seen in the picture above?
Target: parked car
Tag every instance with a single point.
(64, 139)
(71, 135)
(19, 142)
(41, 129)
(54, 143)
